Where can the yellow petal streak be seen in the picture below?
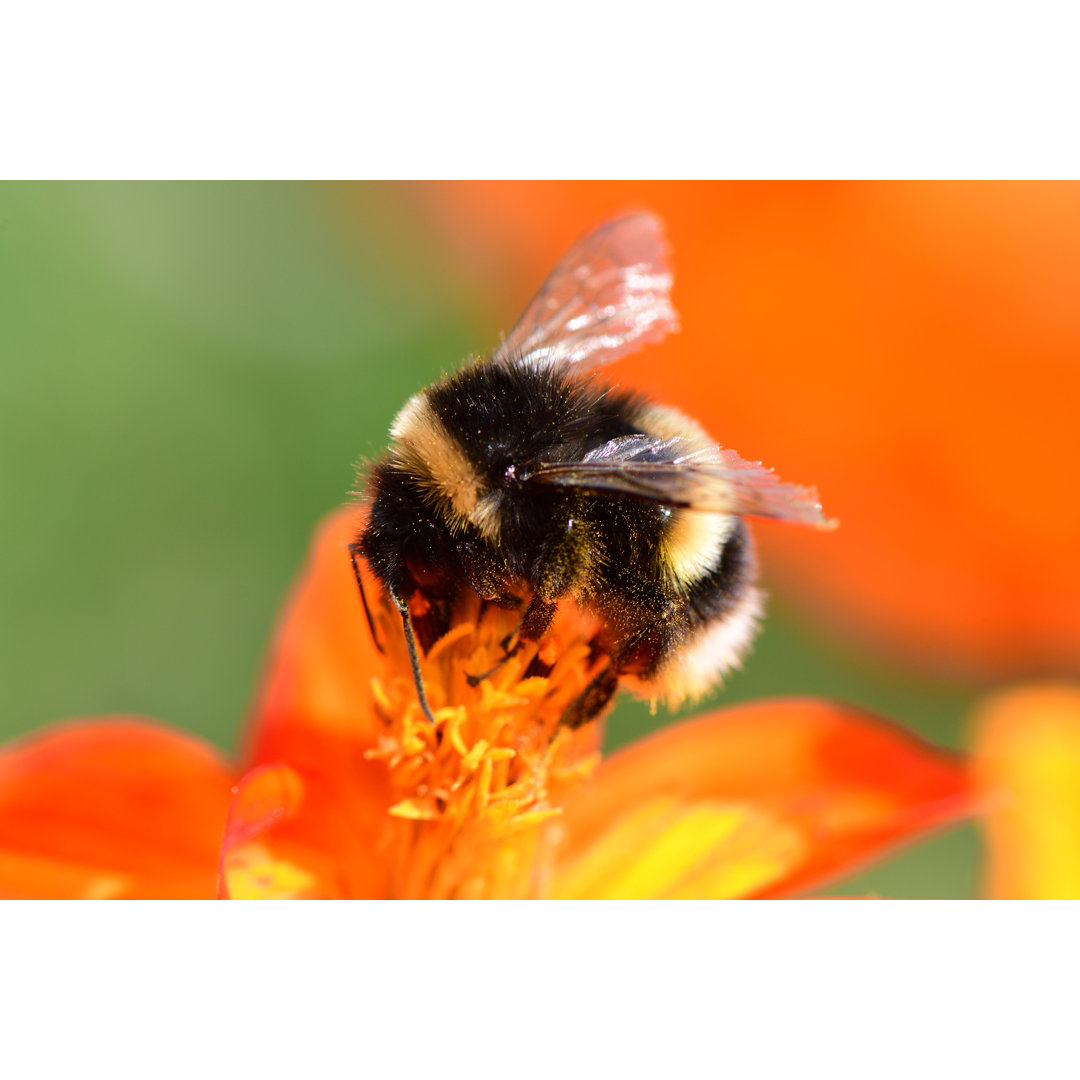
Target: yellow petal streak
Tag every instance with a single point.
(1029, 767)
(478, 795)
(671, 849)
(253, 873)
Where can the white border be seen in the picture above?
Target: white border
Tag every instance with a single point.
(734, 90)
(744, 990)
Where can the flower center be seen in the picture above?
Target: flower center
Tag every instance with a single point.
(479, 793)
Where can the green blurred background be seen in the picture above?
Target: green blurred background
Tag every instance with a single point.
(190, 374)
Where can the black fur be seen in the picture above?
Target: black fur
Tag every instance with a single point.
(553, 541)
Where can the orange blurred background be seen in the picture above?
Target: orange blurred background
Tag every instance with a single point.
(911, 349)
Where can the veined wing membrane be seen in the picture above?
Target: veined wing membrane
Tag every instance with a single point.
(677, 472)
(608, 296)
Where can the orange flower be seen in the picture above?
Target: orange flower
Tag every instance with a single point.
(352, 793)
(346, 791)
(914, 348)
(110, 808)
(1028, 745)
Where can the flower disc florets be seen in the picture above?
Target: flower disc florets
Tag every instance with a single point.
(479, 793)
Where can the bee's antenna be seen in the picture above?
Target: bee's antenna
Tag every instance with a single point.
(410, 641)
(354, 550)
(414, 656)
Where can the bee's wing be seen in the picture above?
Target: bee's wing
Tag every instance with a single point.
(677, 472)
(608, 296)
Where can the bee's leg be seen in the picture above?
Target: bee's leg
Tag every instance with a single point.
(476, 680)
(646, 637)
(414, 657)
(637, 653)
(554, 580)
(592, 699)
(486, 575)
(536, 621)
(354, 552)
(533, 626)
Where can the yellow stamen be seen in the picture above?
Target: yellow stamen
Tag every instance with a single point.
(476, 794)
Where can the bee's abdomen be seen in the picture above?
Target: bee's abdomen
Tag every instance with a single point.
(716, 592)
(719, 620)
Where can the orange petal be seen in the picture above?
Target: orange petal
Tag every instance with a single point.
(111, 808)
(1028, 742)
(314, 710)
(250, 870)
(910, 349)
(675, 849)
(294, 834)
(318, 677)
(266, 796)
(757, 800)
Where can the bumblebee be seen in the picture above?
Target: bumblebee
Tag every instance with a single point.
(529, 480)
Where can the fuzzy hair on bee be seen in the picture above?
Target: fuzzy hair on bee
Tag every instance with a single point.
(527, 479)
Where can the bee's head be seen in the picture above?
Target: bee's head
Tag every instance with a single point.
(464, 489)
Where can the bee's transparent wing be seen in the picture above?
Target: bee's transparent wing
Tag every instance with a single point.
(677, 472)
(608, 296)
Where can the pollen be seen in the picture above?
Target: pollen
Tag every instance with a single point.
(478, 795)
